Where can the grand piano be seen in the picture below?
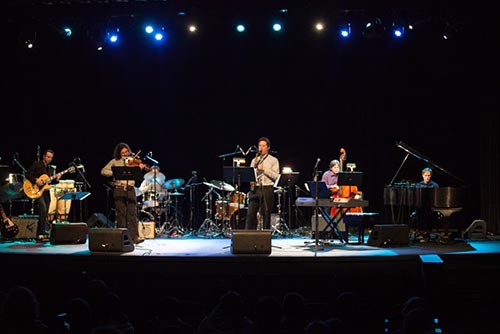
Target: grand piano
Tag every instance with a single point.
(407, 196)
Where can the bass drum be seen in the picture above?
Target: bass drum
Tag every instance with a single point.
(238, 219)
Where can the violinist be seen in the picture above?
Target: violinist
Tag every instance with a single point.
(124, 193)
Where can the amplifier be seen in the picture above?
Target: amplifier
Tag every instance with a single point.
(147, 230)
(27, 225)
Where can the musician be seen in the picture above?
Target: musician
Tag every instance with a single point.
(153, 187)
(261, 195)
(33, 174)
(423, 217)
(331, 176)
(427, 181)
(124, 190)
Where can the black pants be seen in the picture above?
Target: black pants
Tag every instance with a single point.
(262, 201)
(126, 210)
(43, 212)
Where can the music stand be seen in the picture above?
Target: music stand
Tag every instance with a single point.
(245, 174)
(76, 196)
(287, 180)
(350, 179)
(242, 174)
(127, 173)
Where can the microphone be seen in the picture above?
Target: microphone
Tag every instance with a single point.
(316, 165)
(150, 154)
(14, 158)
(153, 160)
(238, 147)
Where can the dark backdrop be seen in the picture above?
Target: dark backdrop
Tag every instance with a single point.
(197, 97)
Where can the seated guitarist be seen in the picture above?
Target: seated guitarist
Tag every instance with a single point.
(37, 173)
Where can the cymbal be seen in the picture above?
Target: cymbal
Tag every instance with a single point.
(176, 194)
(174, 183)
(221, 185)
(150, 177)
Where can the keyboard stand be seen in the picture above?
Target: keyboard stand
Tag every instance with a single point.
(333, 221)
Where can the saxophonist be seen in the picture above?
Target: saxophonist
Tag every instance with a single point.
(261, 196)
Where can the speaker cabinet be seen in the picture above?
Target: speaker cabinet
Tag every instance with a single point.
(251, 242)
(476, 230)
(99, 220)
(147, 230)
(27, 226)
(68, 233)
(110, 240)
(390, 235)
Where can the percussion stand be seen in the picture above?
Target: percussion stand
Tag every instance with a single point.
(208, 224)
(175, 227)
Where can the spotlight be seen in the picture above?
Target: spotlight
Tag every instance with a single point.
(240, 28)
(345, 30)
(277, 27)
(373, 28)
(113, 35)
(67, 31)
(149, 29)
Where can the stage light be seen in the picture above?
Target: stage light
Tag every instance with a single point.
(149, 29)
(373, 28)
(277, 27)
(192, 28)
(319, 26)
(67, 31)
(345, 30)
(398, 31)
(158, 36)
(113, 35)
(240, 28)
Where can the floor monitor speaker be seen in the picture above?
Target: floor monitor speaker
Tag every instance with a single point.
(390, 235)
(68, 233)
(110, 240)
(251, 242)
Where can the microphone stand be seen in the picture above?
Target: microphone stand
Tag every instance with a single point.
(316, 205)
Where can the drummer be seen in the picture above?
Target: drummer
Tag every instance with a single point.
(154, 182)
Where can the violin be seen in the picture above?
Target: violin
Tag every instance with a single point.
(136, 162)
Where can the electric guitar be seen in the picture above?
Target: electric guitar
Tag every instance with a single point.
(8, 228)
(33, 191)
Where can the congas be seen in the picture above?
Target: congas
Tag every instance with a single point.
(238, 219)
(59, 208)
(222, 210)
(63, 187)
(236, 201)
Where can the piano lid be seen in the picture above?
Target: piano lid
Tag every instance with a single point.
(411, 151)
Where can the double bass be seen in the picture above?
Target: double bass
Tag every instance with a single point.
(345, 191)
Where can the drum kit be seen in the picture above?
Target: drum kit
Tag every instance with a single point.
(160, 198)
(228, 209)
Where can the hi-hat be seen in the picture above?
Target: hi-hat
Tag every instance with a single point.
(221, 185)
(150, 177)
(176, 194)
(174, 183)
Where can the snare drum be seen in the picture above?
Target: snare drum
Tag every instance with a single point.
(152, 199)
